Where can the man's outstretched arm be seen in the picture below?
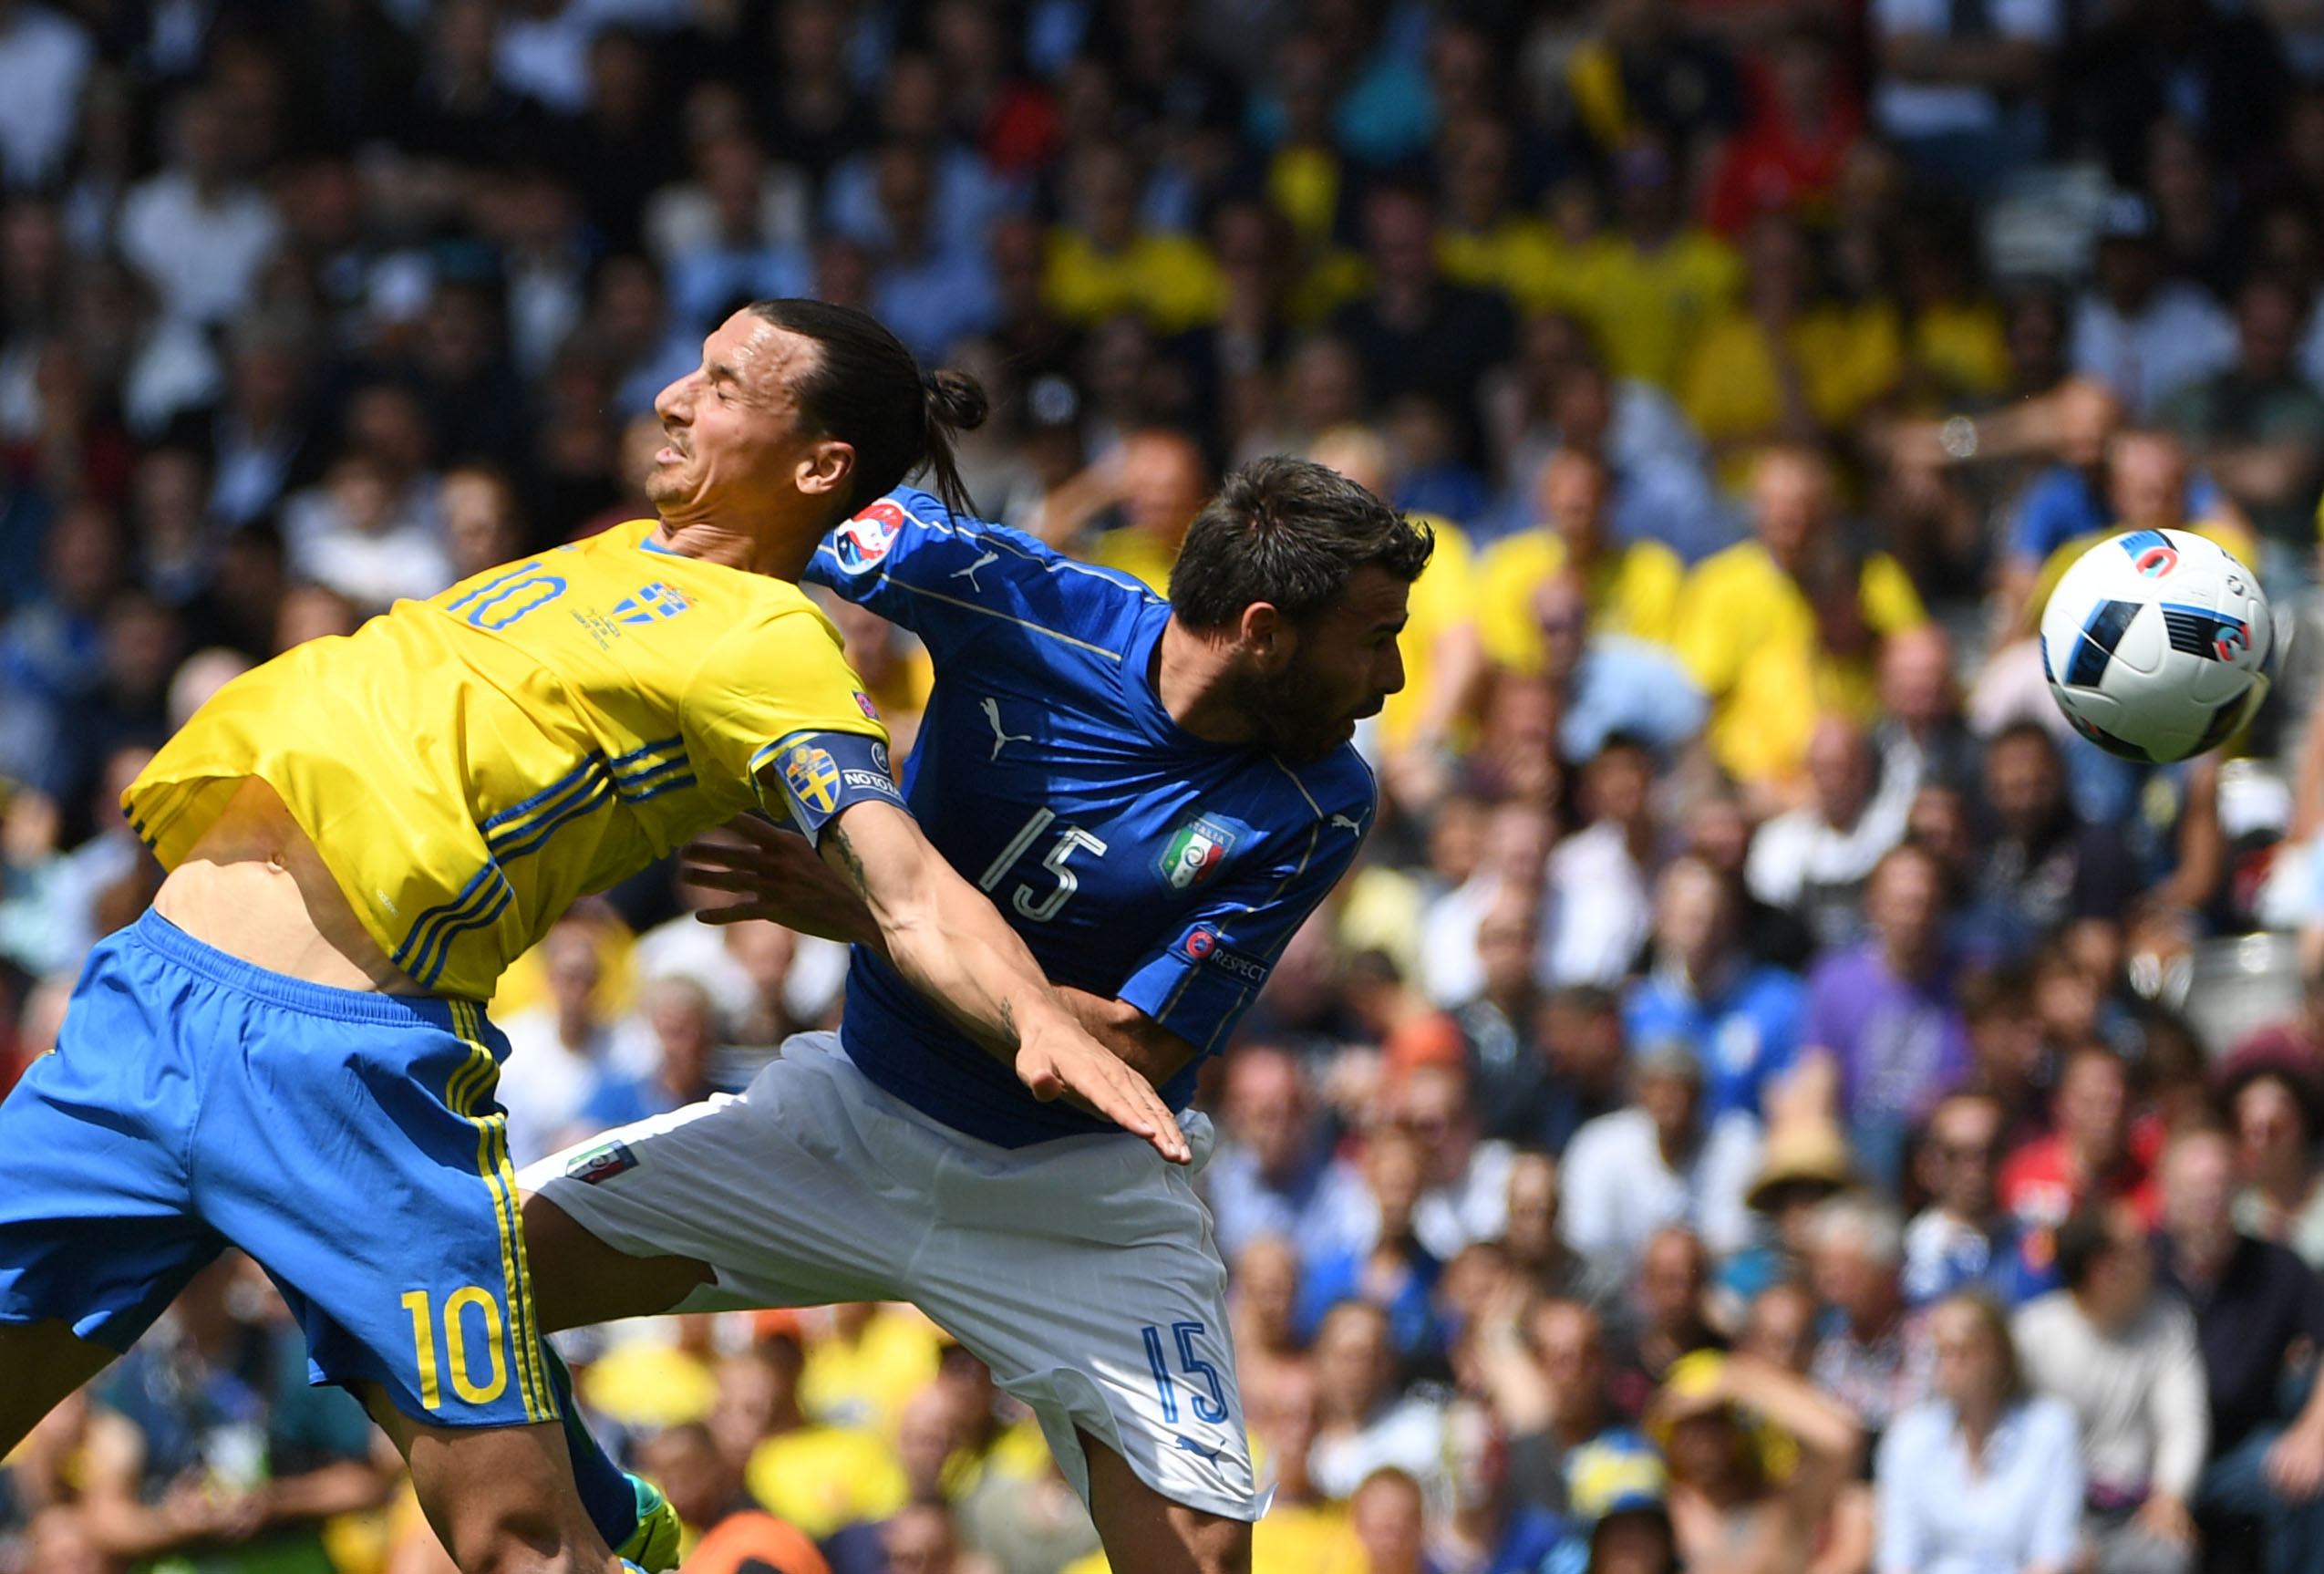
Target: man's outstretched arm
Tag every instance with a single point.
(776, 877)
(953, 945)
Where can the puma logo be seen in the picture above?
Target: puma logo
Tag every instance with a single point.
(1341, 821)
(1002, 736)
(969, 573)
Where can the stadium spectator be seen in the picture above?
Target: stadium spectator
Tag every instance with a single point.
(1963, 1240)
(207, 1436)
(2258, 1310)
(1781, 365)
(2094, 1156)
(199, 231)
(1750, 605)
(1663, 1161)
(565, 1041)
(1597, 910)
(1550, 1385)
(1631, 587)
(1741, 1019)
(1610, 686)
(1464, 1196)
(1668, 1316)
(2257, 427)
(1719, 1419)
(1984, 1473)
(1415, 332)
(2268, 1091)
(1653, 282)
(685, 1028)
(1817, 861)
(1883, 1012)
(2044, 871)
(1364, 1423)
(1876, 1359)
(1273, 1174)
(2141, 333)
(2124, 1357)
(1394, 1272)
(1921, 740)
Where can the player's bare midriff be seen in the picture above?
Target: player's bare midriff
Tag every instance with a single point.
(255, 887)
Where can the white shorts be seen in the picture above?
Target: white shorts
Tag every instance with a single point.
(1080, 1270)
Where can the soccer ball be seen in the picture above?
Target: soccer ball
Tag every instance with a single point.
(2158, 645)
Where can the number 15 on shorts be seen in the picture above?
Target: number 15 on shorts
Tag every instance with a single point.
(1209, 1407)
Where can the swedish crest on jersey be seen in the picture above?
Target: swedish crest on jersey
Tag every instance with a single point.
(651, 603)
(1195, 852)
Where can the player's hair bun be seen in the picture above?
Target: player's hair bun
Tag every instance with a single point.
(957, 401)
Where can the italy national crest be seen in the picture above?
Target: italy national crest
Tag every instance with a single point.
(1195, 853)
(813, 775)
(602, 1163)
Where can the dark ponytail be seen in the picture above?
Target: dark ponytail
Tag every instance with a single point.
(868, 392)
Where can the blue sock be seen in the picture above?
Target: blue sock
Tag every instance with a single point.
(605, 1489)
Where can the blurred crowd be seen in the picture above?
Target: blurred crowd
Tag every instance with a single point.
(1770, 1097)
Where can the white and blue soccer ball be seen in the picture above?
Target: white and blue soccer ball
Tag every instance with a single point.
(2158, 645)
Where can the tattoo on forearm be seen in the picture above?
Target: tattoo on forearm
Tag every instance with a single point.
(1008, 1021)
(852, 864)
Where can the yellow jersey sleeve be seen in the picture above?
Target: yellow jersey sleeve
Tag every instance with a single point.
(1514, 569)
(737, 712)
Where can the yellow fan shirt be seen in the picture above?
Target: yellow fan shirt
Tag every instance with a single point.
(1632, 590)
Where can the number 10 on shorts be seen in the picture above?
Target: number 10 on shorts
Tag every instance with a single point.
(423, 1339)
(1209, 1407)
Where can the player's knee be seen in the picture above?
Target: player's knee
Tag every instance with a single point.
(503, 1500)
(520, 1534)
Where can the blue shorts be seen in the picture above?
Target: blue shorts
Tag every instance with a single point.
(348, 1142)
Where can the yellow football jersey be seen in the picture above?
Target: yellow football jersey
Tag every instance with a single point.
(471, 764)
(1632, 589)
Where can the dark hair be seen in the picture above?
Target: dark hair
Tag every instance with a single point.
(1290, 533)
(867, 391)
(1995, 991)
(2082, 1241)
(1585, 999)
(2026, 731)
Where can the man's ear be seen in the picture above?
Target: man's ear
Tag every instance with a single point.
(827, 468)
(1267, 636)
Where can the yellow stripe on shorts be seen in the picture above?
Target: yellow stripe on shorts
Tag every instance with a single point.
(492, 1164)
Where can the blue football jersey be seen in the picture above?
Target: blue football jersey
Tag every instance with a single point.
(1138, 861)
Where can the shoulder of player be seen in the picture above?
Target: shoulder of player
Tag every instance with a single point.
(919, 520)
(1338, 792)
(759, 637)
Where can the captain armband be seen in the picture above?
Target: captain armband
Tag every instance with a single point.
(819, 775)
